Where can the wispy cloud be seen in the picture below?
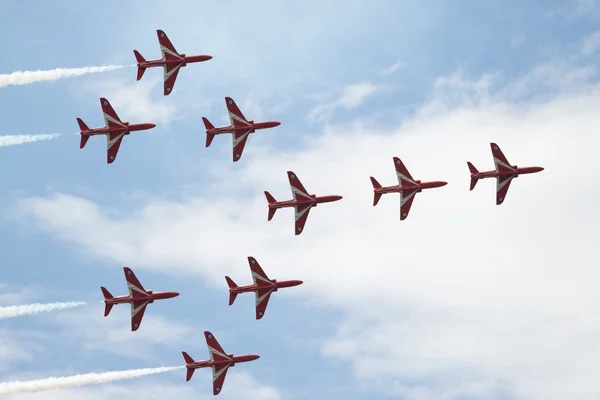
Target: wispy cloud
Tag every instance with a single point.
(351, 97)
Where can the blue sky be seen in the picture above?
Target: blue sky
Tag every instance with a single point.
(428, 308)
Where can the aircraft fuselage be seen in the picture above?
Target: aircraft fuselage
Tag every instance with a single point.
(418, 188)
(129, 128)
(275, 285)
(495, 174)
(184, 61)
(254, 126)
(313, 203)
(232, 360)
(152, 296)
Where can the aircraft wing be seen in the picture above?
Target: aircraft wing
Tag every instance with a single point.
(298, 190)
(406, 200)
(166, 47)
(500, 162)
(239, 142)
(258, 275)
(215, 350)
(502, 185)
(404, 177)
(170, 76)
(219, 374)
(138, 307)
(301, 214)
(113, 142)
(262, 299)
(235, 115)
(111, 118)
(133, 284)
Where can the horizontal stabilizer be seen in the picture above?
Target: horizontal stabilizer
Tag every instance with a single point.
(82, 126)
(107, 308)
(376, 196)
(270, 200)
(139, 60)
(209, 127)
(474, 179)
(106, 293)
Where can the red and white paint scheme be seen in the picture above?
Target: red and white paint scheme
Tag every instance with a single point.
(407, 187)
(139, 298)
(240, 128)
(504, 173)
(219, 362)
(262, 287)
(171, 60)
(302, 202)
(115, 130)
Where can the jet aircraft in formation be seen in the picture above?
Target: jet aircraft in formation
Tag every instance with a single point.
(262, 287)
(302, 202)
(219, 362)
(171, 60)
(114, 130)
(407, 187)
(139, 298)
(504, 173)
(240, 128)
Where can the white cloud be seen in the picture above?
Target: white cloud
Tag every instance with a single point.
(591, 44)
(462, 298)
(112, 334)
(134, 102)
(393, 68)
(351, 97)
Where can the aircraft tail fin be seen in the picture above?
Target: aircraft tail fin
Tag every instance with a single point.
(231, 285)
(107, 296)
(209, 127)
(474, 179)
(188, 360)
(271, 200)
(83, 128)
(140, 59)
(376, 195)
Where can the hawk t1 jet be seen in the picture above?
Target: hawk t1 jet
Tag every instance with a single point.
(407, 187)
(138, 297)
(171, 60)
(219, 362)
(262, 287)
(240, 128)
(302, 202)
(114, 130)
(504, 173)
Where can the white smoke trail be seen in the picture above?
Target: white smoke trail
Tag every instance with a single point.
(11, 140)
(31, 309)
(27, 77)
(78, 380)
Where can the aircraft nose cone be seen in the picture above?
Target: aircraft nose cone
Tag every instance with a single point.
(443, 183)
(276, 124)
(152, 126)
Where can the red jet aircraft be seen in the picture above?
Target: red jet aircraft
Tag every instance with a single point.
(219, 361)
(138, 297)
(407, 187)
(504, 173)
(240, 128)
(262, 287)
(115, 130)
(302, 202)
(171, 60)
